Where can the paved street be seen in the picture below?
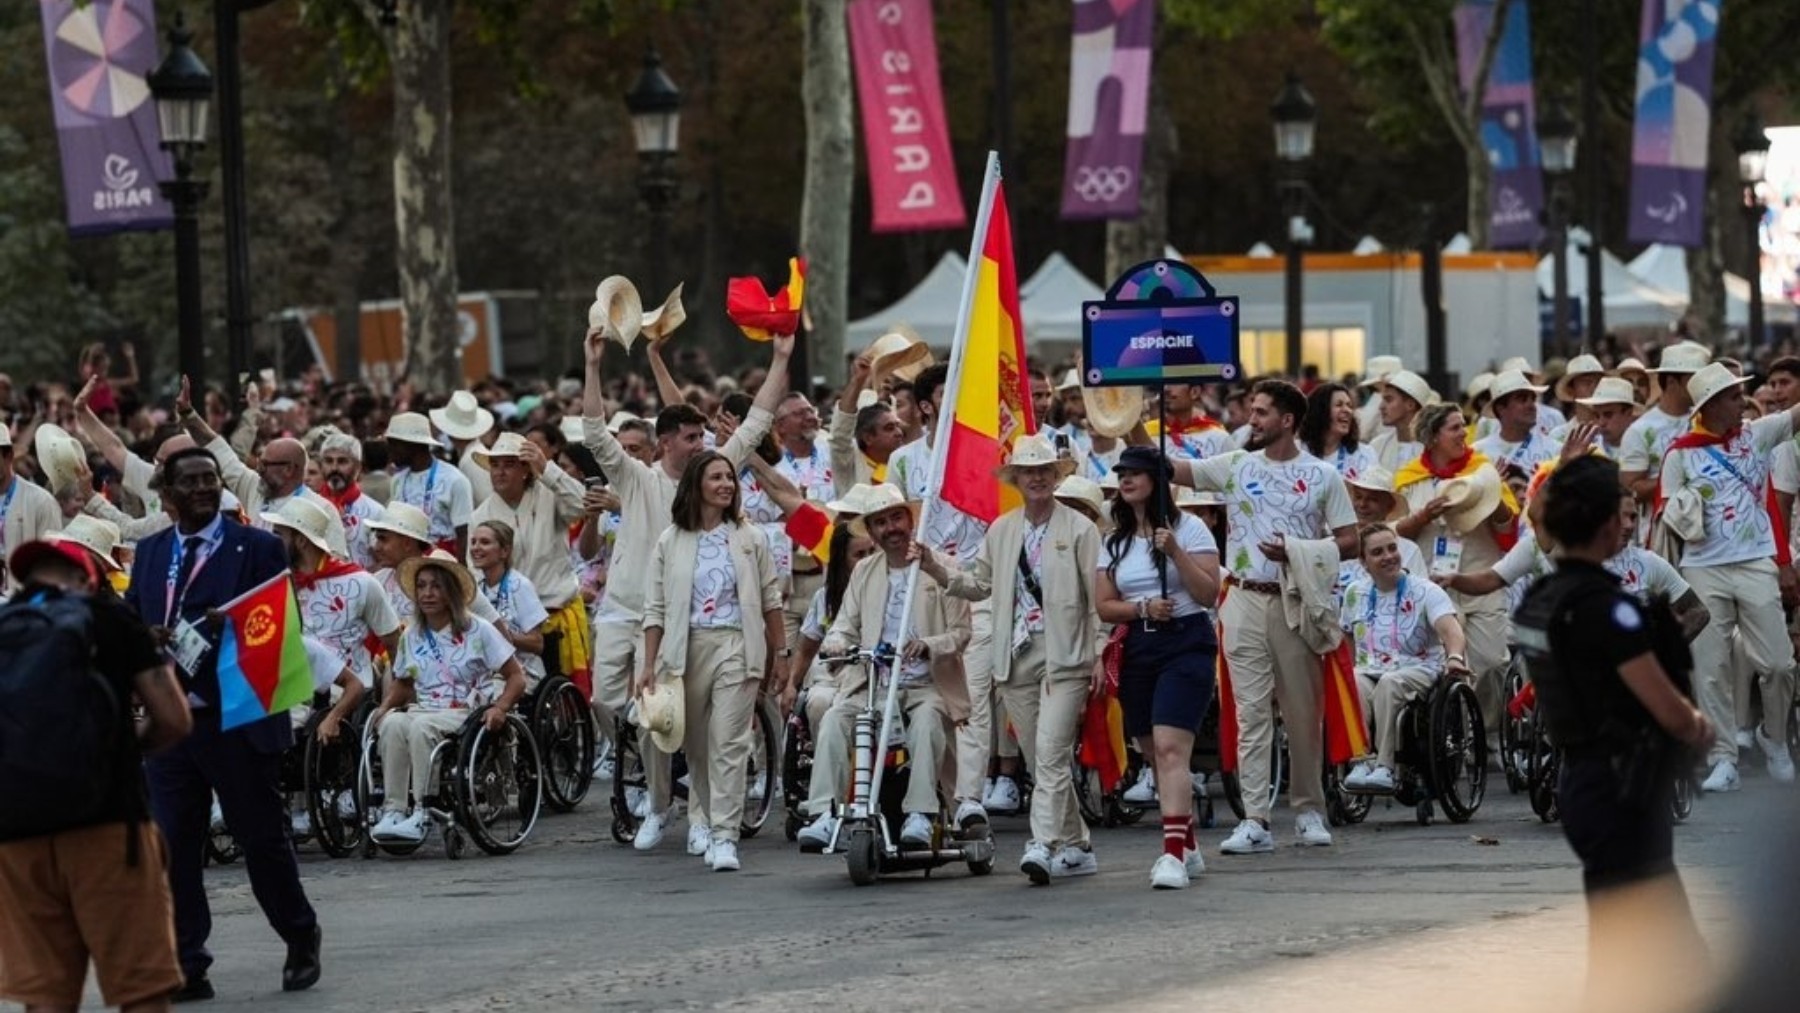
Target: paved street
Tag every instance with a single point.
(1394, 912)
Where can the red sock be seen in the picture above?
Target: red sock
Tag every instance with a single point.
(1176, 835)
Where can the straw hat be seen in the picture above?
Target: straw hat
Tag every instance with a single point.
(1187, 499)
(306, 516)
(1683, 357)
(463, 418)
(410, 427)
(506, 445)
(1613, 390)
(1471, 499)
(1631, 365)
(60, 455)
(865, 501)
(1109, 482)
(1070, 381)
(1382, 481)
(1579, 366)
(402, 519)
(99, 537)
(409, 574)
(1712, 380)
(1412, 385)
(1113, 411)
(1480, 384)
(572, 429)
(618, 310)
(661, 322)
(1520, 363)
(662, 711)
(1035, 451)
(1077, 489)
(1379, 368)
(1511, 381)
(898, 353)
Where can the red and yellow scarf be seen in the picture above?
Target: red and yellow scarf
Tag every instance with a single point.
(1418, 470)
(1698, 438)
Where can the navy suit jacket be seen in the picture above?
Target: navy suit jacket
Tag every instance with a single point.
(245, 558)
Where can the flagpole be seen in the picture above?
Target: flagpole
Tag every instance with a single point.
(247, 595)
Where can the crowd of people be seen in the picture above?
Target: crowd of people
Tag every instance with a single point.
(721, 540)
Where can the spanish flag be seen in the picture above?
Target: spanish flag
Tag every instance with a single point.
(262, 659)
(762, 316)
(990, 392)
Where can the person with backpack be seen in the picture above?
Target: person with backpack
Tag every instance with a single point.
(81, 865)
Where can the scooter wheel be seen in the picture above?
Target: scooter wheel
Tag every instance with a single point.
(864, 863)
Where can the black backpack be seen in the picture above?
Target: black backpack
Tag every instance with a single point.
(63, 727)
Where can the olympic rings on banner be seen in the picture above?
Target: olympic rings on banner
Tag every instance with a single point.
(1102, 184)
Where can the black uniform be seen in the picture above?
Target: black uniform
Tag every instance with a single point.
(1575, 628)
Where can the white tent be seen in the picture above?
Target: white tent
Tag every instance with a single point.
(1630, 301)
(1459, 244)
(1665, 267)
(930, 308)
(1368, 245)
(1050, 300)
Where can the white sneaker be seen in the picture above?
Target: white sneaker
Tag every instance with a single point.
(1250, 838)
(916, 831)
(218, 817)
(410, 828)
(1780, 763)
(1145, 788)
(1199, 779)
(1310, 827)
(816, 836)
(1358, 778)
(1003, 797)
(604, 766)
(384, 827)
(1724, 777)
(301, 823)
(724, 856)
(755, 794)
(1379, 779)
(970, 812)
(638, 801)
(346, 805)
(699, 836)
(1194, 863)
(650, 832)
(1168, 873)
(1036, 863)
(1746, 739)
(1074, 861)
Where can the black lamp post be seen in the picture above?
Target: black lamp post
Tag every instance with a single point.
(1295, 116)
(1753, 162)
(1557, 140)
(655, 107)
(183, 88)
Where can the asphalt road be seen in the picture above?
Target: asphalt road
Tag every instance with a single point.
(1392, 912)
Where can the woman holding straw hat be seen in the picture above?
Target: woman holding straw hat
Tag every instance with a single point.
(712, 618)
(444, 666)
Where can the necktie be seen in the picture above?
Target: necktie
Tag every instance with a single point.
(190, 558)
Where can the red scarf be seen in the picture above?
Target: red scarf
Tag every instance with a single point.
(1697, 439)
(328, 569)
(342, 503)
(1198, 422)
(1448, 471)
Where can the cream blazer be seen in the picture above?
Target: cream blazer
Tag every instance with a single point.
(941, 621)
(667, 604)
(1070, 559)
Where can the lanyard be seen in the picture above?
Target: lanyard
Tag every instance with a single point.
(1394, 628)
(500, 597)
(431, 644)
(430, 484)
(6, 513)
(175, 598)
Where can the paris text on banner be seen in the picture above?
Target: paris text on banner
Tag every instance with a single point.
(912, 176)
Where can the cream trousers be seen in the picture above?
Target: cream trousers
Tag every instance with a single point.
(927, 737)
(407, 739)
(1045, 703)
(1272, 667)
(1384, 696)
(975, 738)
(1744, 599)
(720, 699)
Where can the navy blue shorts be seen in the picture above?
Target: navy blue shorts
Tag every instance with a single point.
(1167, 676)
(1619, 842)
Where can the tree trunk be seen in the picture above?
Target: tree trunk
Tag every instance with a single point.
(419, 51)
(1131, 241)
(1481, 178)
(1706, 263)
(830, 176)
(347, 263)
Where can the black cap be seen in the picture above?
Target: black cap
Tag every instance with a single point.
(1146, 460)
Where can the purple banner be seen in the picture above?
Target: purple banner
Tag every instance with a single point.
(99, 55)
(1674, 115)
(1109, 101)
(1508, 120)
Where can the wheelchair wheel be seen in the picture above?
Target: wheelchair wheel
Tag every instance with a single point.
(628, 773)
(562, 723)
(1543, 763)
(762, 783)
(221, 847)
(865, 864)
(369, 798)
(1681, 801)
(1457, 763)
(796, 768)
(332, 799)
(1515, 732)
(499, 784)
(1342, 807)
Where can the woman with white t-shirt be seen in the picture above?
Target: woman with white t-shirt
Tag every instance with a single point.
(1329, 431)
(712, 618)
(443, 669)
(1159, 573)
(511, 593)
(1404, 631)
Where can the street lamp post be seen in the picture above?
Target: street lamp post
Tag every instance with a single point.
(1295, 116)
(655, 107)
(182, 88)
(1753, 162)
(1557, 139)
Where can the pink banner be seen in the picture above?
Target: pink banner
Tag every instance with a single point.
(912, 176)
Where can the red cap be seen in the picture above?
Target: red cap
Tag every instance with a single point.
(31, 553)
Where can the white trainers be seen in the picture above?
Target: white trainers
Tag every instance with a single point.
(1746, 739)
(346, 805)
(816, 836)
(410, 828)
(1199, 779)
(1145, 788)
(1074, 861)
(650, 832)
(1036, 863)
(1722, 778)
(970, 812)
(1780, 763)
(301, 822)
(1250, 838)
(1380, 779)
(755, 794)
(1194, 864)
(699, 836)
(1003, 797)
(603, 767)
(218, 817)
(1169, 873)
(724, 856)
(1310, 827)
(916, 831)
(638, 801)
(384, 827)
(1358, 778)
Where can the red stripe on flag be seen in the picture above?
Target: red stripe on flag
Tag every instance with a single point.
(969, 464)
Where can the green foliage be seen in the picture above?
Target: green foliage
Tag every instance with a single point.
(1231, 19)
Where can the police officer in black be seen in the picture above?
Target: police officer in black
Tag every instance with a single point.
(1611, 676)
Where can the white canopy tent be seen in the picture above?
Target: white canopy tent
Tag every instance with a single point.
(1050, 300)
(929, 309)
(1630, 301)
(1665, 267)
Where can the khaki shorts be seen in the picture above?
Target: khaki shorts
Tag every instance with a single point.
(69, 897)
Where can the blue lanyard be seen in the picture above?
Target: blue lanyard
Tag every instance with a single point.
(6, 511)
(431, 644)
(1375, 599)
(430, 484)
(502, 594)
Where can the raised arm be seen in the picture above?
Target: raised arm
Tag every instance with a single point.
(95, 431)
(667, 390)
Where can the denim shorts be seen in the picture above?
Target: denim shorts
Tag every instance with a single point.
(1167, 676)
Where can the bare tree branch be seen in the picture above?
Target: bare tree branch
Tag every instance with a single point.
(1485, 67)
(1440, 81)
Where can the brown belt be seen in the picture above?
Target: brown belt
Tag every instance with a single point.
(1269, 587)
(814, 572)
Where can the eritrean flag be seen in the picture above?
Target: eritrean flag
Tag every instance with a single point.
(262, 659)
(990, 391)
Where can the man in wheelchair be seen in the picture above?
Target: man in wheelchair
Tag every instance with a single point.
(1401, 627)
(929, 669)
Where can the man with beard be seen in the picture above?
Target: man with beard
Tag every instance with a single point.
(864, 438)
(399, 533)
(341, 458)
(806, 462)
(1275, 494)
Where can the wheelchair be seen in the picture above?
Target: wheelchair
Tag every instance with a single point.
(762, 782)
(487, 785)
(563, 726)
(796, 766)
(325, 774)
(1441, 759)
(1515, 727)
(1110, 809)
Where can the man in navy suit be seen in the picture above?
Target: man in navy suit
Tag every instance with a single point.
(180, 575)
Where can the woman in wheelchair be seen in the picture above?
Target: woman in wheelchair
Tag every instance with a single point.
(443, 669)
(1405, 633)
(511, 593)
